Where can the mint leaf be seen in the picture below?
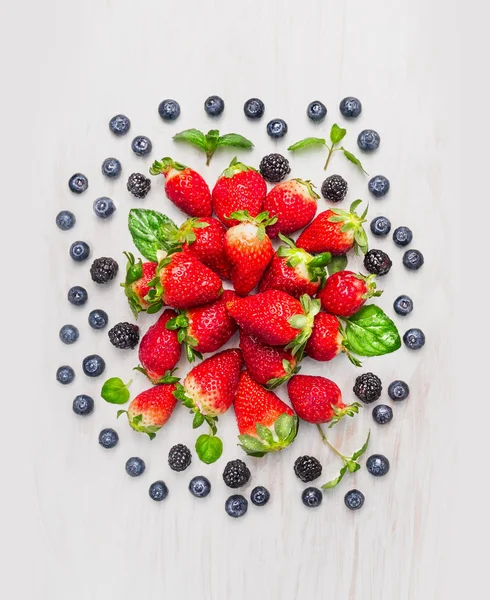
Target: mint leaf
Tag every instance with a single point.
(234, 140)
(209, 448)
(311, 141)
(361, 451)
(337, 134)
(336, 481)
(146, 229)
(349, 156)
(371, 333)
(338, 263)
(115, 391)
(192, 136)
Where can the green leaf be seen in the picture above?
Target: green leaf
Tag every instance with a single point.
(234, 140)
(264, 433)
(370, 332)
(192, 136)
(209, 448)
(352, 466)
(338, 263)
(349, 156)
(198, 420)
(307, 142)
(337, 134)
(115, 391)
(336, 481)
(361, 451)
(283, 426)
(146, 229)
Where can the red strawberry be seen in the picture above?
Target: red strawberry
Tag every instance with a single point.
(159, 349)
(238, 188)
(294, 271)
(327, 339)
(184, 187)
(205, 328)
(345, 292)
(138, 276)
(318, 400)
(248, 250)
(268, 365)
(266, 423)
(294, 204)
(335, 231)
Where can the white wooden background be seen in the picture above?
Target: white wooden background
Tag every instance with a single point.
(88, 531)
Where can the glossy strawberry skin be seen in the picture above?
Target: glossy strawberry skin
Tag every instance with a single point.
(313, 398)
(264, 363)
(159, 349)
(188, 191)
(244, 190)
(155, 405)
(208, 246)
(326, 338)
(344, 294)
(324, 236)
(292, 280)
(293, 204)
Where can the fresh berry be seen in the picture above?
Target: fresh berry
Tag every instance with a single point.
(199, 486)
(402, 236)
(413, 259)
(294, 205)
(380, 226)
(238, 188)
(111, 168)
(98, 318)
(398, 390)
(169, 110)
(135, 466)
(368, 387)
(274, 167)
(179, 457)
(307, 468)
(377, 262)
(346, 292)
(403, 305)
(136, 287)
(382, 414)
(316, 111)
(124, 335)
(108, 438)
(65, 375)
(312, 497)
(254, 108)
(141, 145)
(138, 185)
(214, 106)
(260, 496)
(77, 295)
(159, 349)
(236, 473)
(327, 339)
(277, 128)
(350, 107)
(104, 207)
(79, 251)
(334, 188)
(65, 220)
(414, 339)
(83, 405)
(236, 506)
(78, 183)
(158, 491)
(378, 465)
(184, 187)
(368, 140)
(354, 499)
(69, 334)
(93, 365)
(119, 125)
(151, 409)
(379, 186)
(103, 269)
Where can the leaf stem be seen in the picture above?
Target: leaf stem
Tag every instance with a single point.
(324, 438)
(331, 150)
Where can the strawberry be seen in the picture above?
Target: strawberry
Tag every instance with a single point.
(184, 187)
(265, 422)
(327, 340)
(159, 349)
(294, 271)
(238, 188)
(335, 231)
(138, 276)
(205, 328)
(248, 250)
(318, 400)
(294, 204)
(345, 292)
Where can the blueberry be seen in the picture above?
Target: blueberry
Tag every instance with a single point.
(108, 438)
(93, 365)
(403, 305)
(77, 295)
(312, 497)
(277, 128)
(316, 111)
(65, 375)
(104, 207)
(79, 251)
(199, 486)
(65, 220)
(402, 236)
(83, 405)
(214, 106)
(260, 495)
(382, 414)
(350, 107)
(119, 125)
(368, 140)
(414, 339)
(169, 110)
(236, 506)
(413, 259)
(98, 318)
(158, 491)
(398, 390)
(141, 145)
(78, 183)
(135, 466)
(380, 226)
(254, 108)
(379, 186)
(378, 465)
(354, 499)
(111, 167)
(69, 334)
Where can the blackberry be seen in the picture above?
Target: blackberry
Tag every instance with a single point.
(179, 457)
(307, 468)
(274, 167)
(377, 262)
(124, 335)
(103, 269)
(334, 188)
(236, 474)
(368, 387)
(138, 185)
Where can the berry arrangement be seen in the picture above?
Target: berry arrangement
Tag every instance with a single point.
(241, 273)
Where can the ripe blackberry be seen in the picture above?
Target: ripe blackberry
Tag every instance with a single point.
(368, 387)
(236, 473)
(103, 269)
(124, 335)
(138, 185)
(179, 457)
(377, 262)
(334, 188)
(307, 468)
(274, 167)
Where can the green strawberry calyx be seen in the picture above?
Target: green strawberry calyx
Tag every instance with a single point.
(370, 282)
(155, 295)
(134, 272)
(135, 422)
(348, 411)
(270, 439)
(304, 322)
(168, 377)
(236, 167)
(180, 324)
(289, 371)
(309, 186)
(199, 417)
(261, 221)
(352, 222)
(315, 265)
(162, 167)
